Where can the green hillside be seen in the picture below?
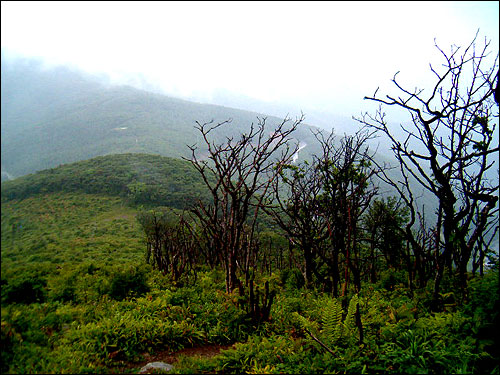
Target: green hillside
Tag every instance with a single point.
(86, 211)
(139, 178)
(68, 228)
(58, 116)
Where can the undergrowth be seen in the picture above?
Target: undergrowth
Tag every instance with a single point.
(72, 307)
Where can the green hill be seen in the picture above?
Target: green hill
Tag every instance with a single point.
(68, 228)
(85, 212)
(57, 116)
(142, 179)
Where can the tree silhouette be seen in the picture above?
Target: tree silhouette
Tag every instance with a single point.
(447, 149)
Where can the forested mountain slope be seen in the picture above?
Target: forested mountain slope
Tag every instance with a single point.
(55, 116)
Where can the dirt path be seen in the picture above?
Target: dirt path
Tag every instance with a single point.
(170, 357)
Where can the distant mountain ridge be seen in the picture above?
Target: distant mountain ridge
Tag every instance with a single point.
(56, 116)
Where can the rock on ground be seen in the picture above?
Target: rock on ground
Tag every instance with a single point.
(155, 366)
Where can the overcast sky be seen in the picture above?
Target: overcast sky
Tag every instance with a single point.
(317, 55)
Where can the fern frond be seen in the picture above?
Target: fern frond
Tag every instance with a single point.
(351, 310)
(332, 321)
(304, 323)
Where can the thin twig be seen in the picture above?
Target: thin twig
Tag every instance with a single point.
(320, 342)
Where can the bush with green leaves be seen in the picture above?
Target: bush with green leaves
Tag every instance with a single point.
(292, 278)
(129, 335)
(131, 282)
(26, 288)
(427, 351)
(63, 288)
(270, 355)
(9, 338)
(27, 330)
(483, 309)
(391, 278)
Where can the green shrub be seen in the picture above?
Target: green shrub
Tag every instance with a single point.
(391, 278)
(425, 351)
(128, 283)
(483, 310)
(258, 355)
(27, 288)
(9, 339)
(63, 288)
(483, 301)
(292, 279)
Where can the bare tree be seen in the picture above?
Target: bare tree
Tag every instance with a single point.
(447, 149)
(238, 174)
(171, 245)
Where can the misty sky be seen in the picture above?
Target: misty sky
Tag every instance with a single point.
(318, 55)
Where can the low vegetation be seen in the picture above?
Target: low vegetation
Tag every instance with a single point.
(78, 297)
(150, 180)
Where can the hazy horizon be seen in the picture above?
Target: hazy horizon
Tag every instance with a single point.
(287, 56)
